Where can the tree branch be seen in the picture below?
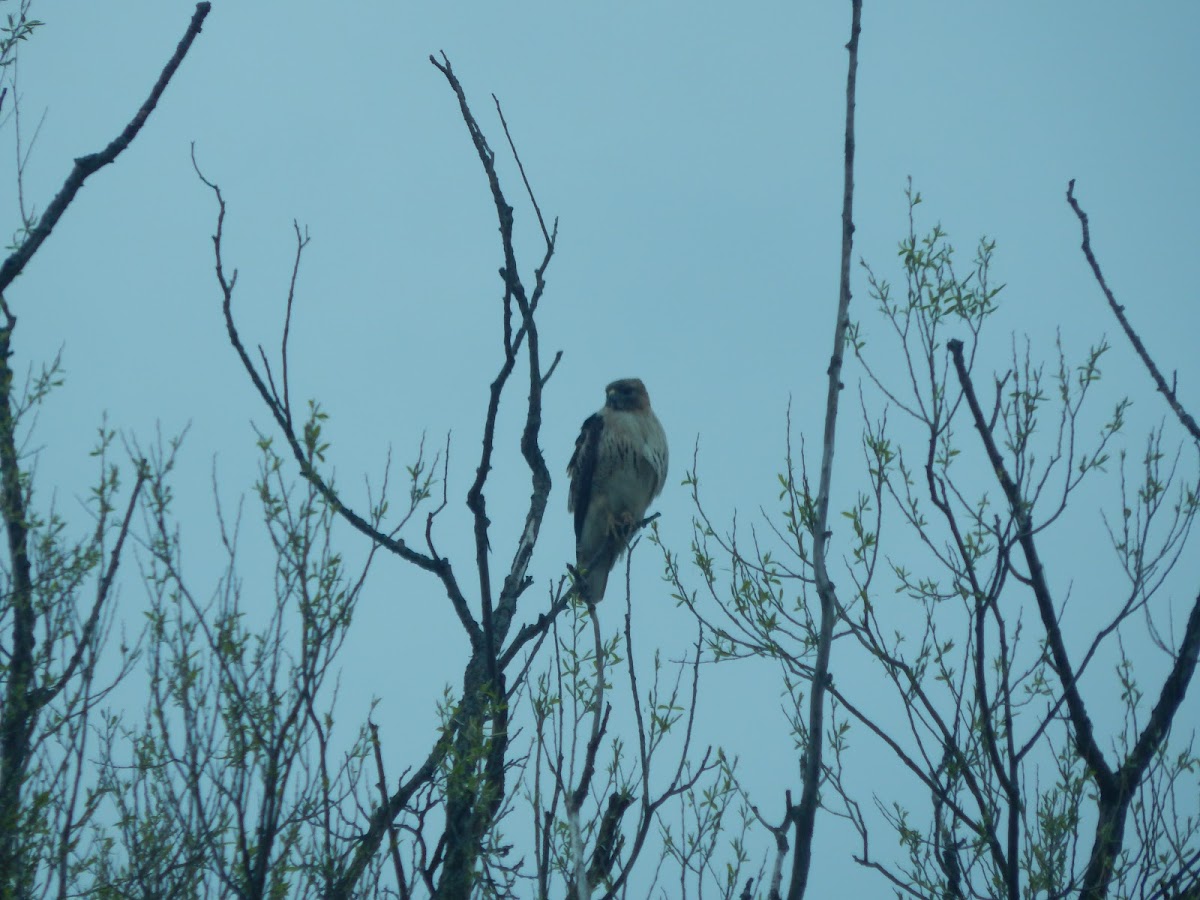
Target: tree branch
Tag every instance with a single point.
(393, 843)
(384, 815)
(804, 815)
(1182, 414)
(437, 565)
(1081, 723)
(86, 165)
(20, 707)
(47, 694)
(1173, 691)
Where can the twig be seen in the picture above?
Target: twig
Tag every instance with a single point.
(440, 566)
(301, 243)
(102, 592)
(1166, 390)
(393, 844)
(533, 200)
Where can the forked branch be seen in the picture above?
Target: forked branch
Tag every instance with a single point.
(1081, 723)
(279, 405)
(1116, 789)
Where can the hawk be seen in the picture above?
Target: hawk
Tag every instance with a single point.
(618, 467)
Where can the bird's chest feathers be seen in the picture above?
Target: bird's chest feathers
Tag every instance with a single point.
(629, 463)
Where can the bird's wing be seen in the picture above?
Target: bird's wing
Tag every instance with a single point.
(582, 469)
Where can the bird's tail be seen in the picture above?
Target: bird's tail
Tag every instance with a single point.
(595, 571)
(595, 581)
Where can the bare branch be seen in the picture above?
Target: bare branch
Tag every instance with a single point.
(1173, 691)
(437, 565)
(393, 844)
(804, 815)
(86, 165)
(1166, 390)
(533, 200)
(301, 242)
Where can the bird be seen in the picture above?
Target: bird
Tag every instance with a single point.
(619, 466)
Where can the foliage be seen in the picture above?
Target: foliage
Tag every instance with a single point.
(954, 606)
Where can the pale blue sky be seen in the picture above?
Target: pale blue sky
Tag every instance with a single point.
(693, 155)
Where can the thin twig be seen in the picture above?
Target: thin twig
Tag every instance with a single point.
(1118, 310)
(301, 243)
(393, 843)
(520, 166)
(102, 591)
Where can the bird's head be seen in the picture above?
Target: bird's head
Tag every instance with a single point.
(627, 394)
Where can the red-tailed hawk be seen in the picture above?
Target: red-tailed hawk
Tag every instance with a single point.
(619, 466)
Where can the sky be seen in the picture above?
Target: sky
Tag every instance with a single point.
(693, 158)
